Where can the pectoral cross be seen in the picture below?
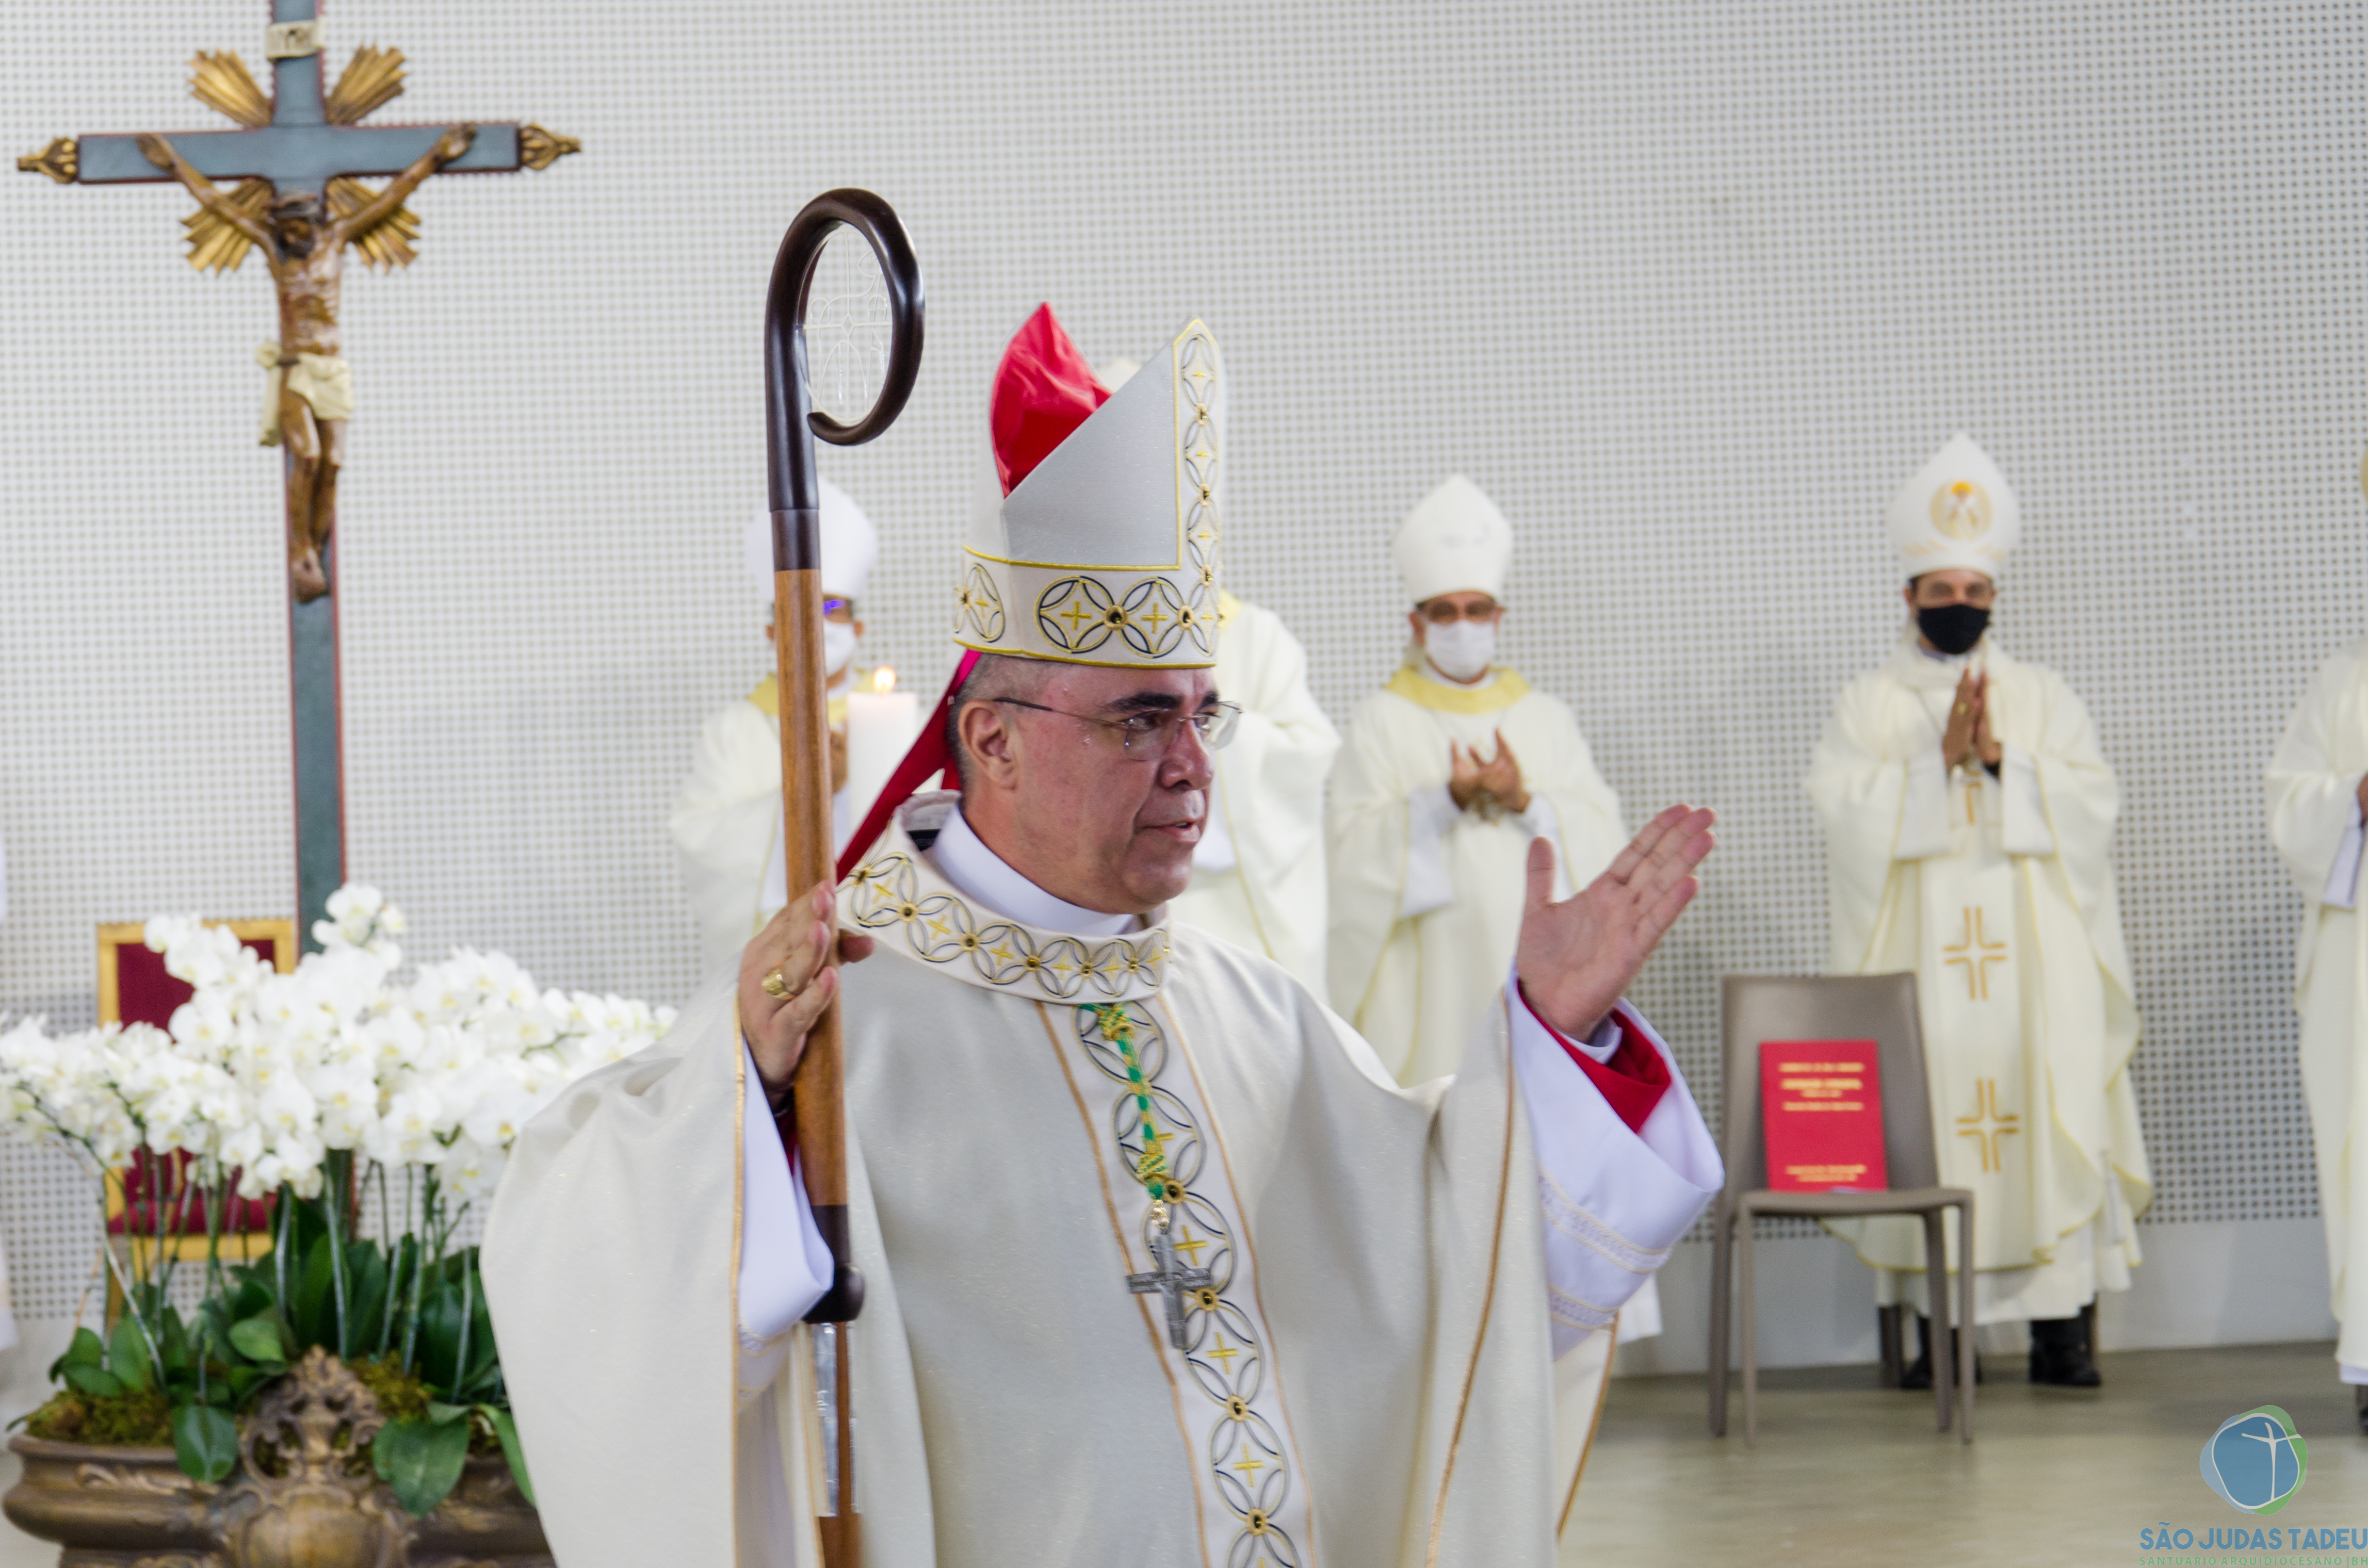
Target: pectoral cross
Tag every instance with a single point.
(299, 201)
(1171, 1280)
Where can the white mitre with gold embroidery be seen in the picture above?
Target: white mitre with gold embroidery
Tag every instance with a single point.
(1102, 549)
(1958, 511)
(1455, 541)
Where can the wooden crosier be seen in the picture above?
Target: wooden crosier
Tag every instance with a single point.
(818, 1087)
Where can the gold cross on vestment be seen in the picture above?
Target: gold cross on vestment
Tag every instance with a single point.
(1077, 615)
(1977, 953)
(1988, 1124)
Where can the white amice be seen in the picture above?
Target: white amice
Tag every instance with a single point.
(2314, 801)
(1371, 1374)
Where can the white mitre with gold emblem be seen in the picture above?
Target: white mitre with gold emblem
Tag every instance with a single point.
(1455, 541)
(1958, 511)
(1102, 546)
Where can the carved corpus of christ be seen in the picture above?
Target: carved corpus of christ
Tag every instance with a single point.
(310, 391)
(297, 198)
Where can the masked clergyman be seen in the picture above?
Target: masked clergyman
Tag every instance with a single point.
(1969, 823)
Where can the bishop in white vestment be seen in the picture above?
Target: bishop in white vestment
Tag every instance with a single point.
(727, 819)
(1258, 873)
(2317, 782)
(1969, 819)
(1163, 1268)
(1450, 770)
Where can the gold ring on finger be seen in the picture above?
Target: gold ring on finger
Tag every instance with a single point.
(775, 986)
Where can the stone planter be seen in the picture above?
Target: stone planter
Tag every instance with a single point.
(303, 1496)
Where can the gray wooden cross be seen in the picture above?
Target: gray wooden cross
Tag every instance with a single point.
(1171, 1280)
(304, 138)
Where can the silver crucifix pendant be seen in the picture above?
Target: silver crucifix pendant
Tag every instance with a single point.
(1171, 1278)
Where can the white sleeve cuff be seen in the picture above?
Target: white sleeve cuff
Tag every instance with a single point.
(1542, 822)
(1615, 1202)
(2343, 877)
(1429, 813)
(1924, 809)
(784, 1265)
(2025, 830)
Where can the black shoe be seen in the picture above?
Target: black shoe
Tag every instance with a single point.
(2059, 1353)
(1918, 1376)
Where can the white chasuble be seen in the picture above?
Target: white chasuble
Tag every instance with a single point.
(2315, 821)
(1367, 1376)
(727, 824)
(1426, 899)
(1999, 894)
(1258, 876)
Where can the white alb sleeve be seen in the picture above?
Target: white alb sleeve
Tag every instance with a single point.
(2025, 830)
(2343, 876)
(784, 1265)
(1429, 813)
(1615, 1202)
(1924, 810)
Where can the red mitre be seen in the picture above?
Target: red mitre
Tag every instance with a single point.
(1043, 390)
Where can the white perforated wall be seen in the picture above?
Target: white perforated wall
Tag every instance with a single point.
(1688, 287)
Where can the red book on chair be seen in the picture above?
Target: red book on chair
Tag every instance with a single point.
(1821, 1108)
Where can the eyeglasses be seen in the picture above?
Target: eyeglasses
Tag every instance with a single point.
(1443, 612)
(840, 610)
(1149, 736)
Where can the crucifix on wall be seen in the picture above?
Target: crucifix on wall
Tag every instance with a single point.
(299, 164)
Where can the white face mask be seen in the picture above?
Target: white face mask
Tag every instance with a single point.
(1461, 649)
(838, 646)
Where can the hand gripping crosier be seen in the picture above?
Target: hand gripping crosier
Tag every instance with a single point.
(792, 424)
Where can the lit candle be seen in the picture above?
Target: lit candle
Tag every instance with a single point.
(881, 724)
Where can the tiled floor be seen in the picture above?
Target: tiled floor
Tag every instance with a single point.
(1847, 1474)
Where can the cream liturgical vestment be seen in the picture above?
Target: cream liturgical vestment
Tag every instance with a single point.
(1365, 1376)
(727, 820)
(1999, 894)
(1426, 898)
(1258, 875)
(2314, 785)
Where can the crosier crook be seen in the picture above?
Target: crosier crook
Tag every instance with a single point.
(818, 1084)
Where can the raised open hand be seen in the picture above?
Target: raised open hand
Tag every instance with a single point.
(1986, 748)
(454, 143)
(1576, 958)
(157, 150)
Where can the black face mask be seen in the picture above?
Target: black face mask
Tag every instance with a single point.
(1952, 628)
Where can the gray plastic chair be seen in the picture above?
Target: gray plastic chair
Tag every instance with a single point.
(1880, 1007)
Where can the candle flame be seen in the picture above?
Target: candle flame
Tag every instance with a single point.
(883, 679)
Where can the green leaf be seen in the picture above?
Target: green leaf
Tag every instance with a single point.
(205, 1440)
(127, 1353)
(86, 1350)
(512, 1451)
(421, 1461)
(176, 1346)
(314, 1316)
(366, 1283)
(440, 1413)
(95, 1383)
(260, 1339)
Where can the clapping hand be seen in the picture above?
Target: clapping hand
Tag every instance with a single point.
(1576, 958)
(1962, 739)
(1485, 787)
